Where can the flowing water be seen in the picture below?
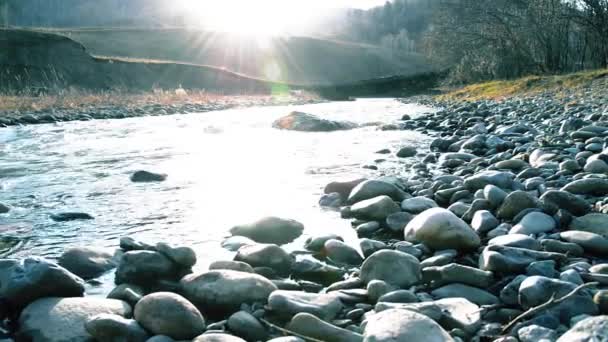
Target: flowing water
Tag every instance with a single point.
(225, 168)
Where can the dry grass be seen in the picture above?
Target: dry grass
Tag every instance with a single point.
(82, 99)
(497, 90)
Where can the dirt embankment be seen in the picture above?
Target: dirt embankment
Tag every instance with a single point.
(34, 60)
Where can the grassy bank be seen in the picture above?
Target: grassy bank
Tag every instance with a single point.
(496, 90)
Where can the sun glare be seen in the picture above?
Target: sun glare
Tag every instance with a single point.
(269, 17)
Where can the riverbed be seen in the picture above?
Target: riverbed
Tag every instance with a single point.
(225, 168)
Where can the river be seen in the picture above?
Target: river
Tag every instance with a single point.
(225, 168)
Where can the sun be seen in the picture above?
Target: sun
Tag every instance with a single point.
(267, 17)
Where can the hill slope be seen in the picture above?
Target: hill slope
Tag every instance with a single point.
(295, 60)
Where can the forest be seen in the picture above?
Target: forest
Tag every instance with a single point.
(474, 39)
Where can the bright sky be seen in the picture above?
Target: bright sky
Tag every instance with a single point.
(266, 16)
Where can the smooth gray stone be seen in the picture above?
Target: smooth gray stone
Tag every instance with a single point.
(290, 303)
(311, 326)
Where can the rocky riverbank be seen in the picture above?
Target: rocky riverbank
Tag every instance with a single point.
(27, 110)
(500, 233)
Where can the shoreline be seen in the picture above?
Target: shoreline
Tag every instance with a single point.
(30, 110)
(510, 201)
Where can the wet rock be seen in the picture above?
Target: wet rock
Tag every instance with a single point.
(589, 329)
(64, 217)
(303, 122)
(87, 262)
(534, 223)
(270, 230)
(393, 267)
(144, 268)
(440, 229)
(601, 300)
(63, 319)
(225, 290)
(374, 188)
(403, 325)
(143, 176)
(290, 303)
(311, 326)
(417, 205)
(110, 327)
(130, 244)
(377, 208)
(342, 253)
(245, 325)
(169, 314)
(23, 281)
(266, 255)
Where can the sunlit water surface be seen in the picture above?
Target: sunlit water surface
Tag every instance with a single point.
(225, 168)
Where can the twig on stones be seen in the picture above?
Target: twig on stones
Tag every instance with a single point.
(551, 302)
(289, 332)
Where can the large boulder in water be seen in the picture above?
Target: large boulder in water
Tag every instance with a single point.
(270, 230)
(303, 122)
(23, 281)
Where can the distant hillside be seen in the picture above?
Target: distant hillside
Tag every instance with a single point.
(296, 60)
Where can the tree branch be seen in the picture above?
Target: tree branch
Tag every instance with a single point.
(551, 302)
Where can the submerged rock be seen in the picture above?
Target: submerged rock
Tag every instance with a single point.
(270, 230)
(71, 216)
(143, 176)
(303, 122)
